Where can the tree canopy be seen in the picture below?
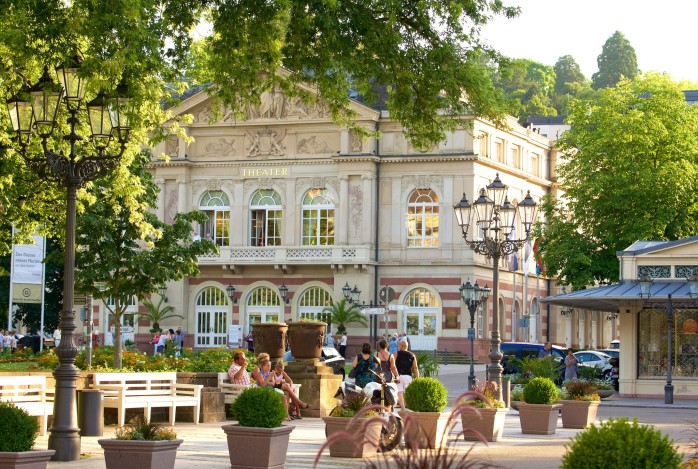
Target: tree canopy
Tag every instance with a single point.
(427, 54)
(617, 60)
(630, 174)
(528, 87)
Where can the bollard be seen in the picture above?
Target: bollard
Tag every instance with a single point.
(445, 356)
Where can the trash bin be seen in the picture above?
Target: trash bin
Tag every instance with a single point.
(91, 412)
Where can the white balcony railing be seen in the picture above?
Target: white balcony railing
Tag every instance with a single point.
(290, 255)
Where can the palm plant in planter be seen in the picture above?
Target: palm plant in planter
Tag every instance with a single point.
(352, 428)
(579, 404)
(483, 414)
(538, 412)
(425, 398)
(141, 444)
(259, 439)
(342, 313)
(19, 431)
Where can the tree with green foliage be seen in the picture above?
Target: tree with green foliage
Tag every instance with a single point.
(569, 78)
(528, 87)
(156, 313)
(630, 173)
(617, 60)
(342, 313)
(115, 259)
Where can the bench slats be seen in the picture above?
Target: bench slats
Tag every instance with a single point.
(28, 393)
(147, 390)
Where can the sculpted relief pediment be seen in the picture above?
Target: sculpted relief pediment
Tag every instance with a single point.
(274, 105)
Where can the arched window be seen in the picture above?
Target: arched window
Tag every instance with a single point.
(211, 318)
(265, 218)
(421, 319)
(264, 305)
(216, 205)
(312, 302)
(423, 219)
(318, 218)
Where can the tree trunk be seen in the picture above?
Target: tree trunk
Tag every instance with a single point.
(117, 338)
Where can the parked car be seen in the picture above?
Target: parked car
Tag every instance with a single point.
(597, 359)
(32, 341)
(330, 357)
(525, 349)
(612, 352)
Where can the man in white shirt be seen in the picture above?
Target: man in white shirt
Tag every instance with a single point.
(343, 345)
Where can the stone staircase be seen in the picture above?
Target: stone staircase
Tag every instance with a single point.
(450, 357)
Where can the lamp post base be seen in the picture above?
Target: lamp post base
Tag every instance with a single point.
(64, 435)
(669, 393)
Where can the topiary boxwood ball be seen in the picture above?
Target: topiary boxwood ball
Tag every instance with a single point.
(620, 445)
(18, 429)
(540, 391)
(259, 407)
(426, 395)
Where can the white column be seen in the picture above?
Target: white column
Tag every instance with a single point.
(369, 209)
(582, 329)
(182, 195)
(343, 232)
(160, 208)
(568, 330)
(594, 329)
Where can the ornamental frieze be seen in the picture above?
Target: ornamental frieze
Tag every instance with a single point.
(222, 147)
(317, 182)
(410, 183)
(311, 146)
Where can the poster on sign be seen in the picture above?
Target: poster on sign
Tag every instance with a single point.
(234, 335)
(27, 265)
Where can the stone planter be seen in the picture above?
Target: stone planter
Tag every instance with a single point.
(579, 414)
(605, 393)
(420, 428)
(538, 419)
(306, 339)
(119, 454)
(514, 405)
(36, 459)
(251, 447)
(487, 422)
(270, 338)
(366, 436)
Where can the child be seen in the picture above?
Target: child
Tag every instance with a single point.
(284, 382)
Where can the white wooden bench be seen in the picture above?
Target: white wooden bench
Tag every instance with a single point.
(146, 390)
(232, 391)
(28, 393)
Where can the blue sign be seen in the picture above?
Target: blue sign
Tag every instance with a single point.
(471, 333)
(524, 322)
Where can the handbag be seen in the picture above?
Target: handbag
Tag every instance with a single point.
(352, 373)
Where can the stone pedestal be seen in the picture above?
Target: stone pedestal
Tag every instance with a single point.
(212, 405)
(319, 385)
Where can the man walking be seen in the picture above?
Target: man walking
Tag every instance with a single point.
(343, 345)
(545, 351)
(407, 369)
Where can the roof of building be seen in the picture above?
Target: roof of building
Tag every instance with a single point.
(620, 295)
(691, 95)
(549, 120)
(643, 247)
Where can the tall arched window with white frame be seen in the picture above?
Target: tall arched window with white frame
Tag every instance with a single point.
(311, 304)
(265, 218)
(421, 318)
(317, 224)
(211, 311)
(216, 206)
(423, 219)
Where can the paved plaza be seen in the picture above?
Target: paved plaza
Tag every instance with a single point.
(205, 445)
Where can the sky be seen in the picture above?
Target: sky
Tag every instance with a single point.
(663, 34)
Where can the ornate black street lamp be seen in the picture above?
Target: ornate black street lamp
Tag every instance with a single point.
(473, 296)
(494, 218)
(35, 111)
(645, 282)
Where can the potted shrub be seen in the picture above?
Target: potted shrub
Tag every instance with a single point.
(258, 439)
(483, 413)
(141, 444)
(270, 337)
(617, 443)
(516, 396)
(351, 430)
(19, 431)
(425, 398)
(580, 403)
(591, 373)
(306, 339)
(538, 411)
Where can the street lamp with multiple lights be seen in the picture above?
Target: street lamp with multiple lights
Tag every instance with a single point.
(35, 111)
(645, 282)
(494, 220)
(473, 296)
